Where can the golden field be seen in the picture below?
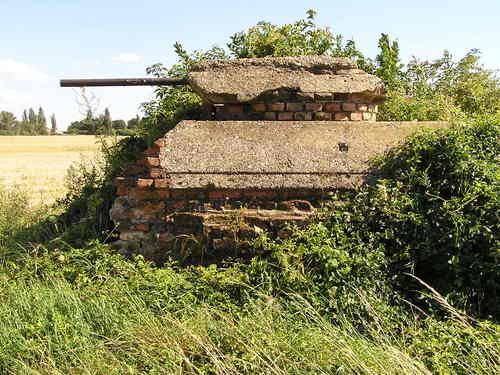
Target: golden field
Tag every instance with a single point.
(39, 163)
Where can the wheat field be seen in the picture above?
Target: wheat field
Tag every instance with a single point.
(38, 164)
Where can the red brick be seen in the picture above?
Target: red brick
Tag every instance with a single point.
(285, 116)
(357, 98)
(341, 116)
(159, 143)
(120, 182)
(150, 207)
(224, 194)
(362, 107)
(180, 194)
(260, 194)
(142, 227)
(277, 107)
(134, 170)
(162, 183)
(121, 191)
(179, 205)
(322, 116)
(295, 107)
(142, 194)
(234, 108)
(152, 162)
(356, 116)
(144, 182)
(155, 173)
(152, 151)
(259, 107)
(270, 116)
(349, 107)
(303, 116)
(333, 107)
(162, 193)
(314, 107)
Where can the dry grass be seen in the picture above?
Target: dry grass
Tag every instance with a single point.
(38, 164)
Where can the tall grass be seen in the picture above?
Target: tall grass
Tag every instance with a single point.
(51, 327)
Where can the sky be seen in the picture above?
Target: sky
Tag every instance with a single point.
(44, 41)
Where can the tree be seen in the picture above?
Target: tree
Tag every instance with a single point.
(8, 123)
(388, 62)
(302, 37)
(444, 89)
(31, 122)
(133, 123)
(88, 125)
(106, 122)
(53, 122)
(41, 123)
(118, 124)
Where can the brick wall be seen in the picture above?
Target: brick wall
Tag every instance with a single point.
(291, 107)
(157, 221)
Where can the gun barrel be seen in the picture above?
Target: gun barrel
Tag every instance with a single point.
(123, 82)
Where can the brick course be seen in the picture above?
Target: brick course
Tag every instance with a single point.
(326, 107)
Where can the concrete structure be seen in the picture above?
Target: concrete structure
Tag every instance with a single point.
(207, 187)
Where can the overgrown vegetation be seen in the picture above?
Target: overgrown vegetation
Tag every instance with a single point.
(400, 278)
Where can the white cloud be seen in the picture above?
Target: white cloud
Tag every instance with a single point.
(13, 100)
(18, 71)
(127, 58)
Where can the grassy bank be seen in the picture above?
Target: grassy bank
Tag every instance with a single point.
(91, 312)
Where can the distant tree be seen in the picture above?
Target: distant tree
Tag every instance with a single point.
(88, 125)
(25, 117)
(107, 126)
(53, 122)
(133, 123)
(118, 124)
(41, 123)
(8, 123)
(388, 62)
(31, 126)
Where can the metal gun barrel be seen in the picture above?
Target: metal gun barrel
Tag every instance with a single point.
(123, 82)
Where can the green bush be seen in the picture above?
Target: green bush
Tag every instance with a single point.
(439, 209)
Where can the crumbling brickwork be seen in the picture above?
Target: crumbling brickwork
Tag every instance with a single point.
(320, 110)
(157, 220)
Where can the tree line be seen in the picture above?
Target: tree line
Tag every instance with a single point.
(103, 124)
(31, 123)
(36, 123)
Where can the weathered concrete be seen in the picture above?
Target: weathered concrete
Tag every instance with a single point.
(245, 80)
(277, 155)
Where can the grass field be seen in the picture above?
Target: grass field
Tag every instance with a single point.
(39, 164)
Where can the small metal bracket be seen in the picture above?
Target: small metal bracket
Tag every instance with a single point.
(343, 147)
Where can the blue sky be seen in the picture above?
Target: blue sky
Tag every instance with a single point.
(46, 40)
